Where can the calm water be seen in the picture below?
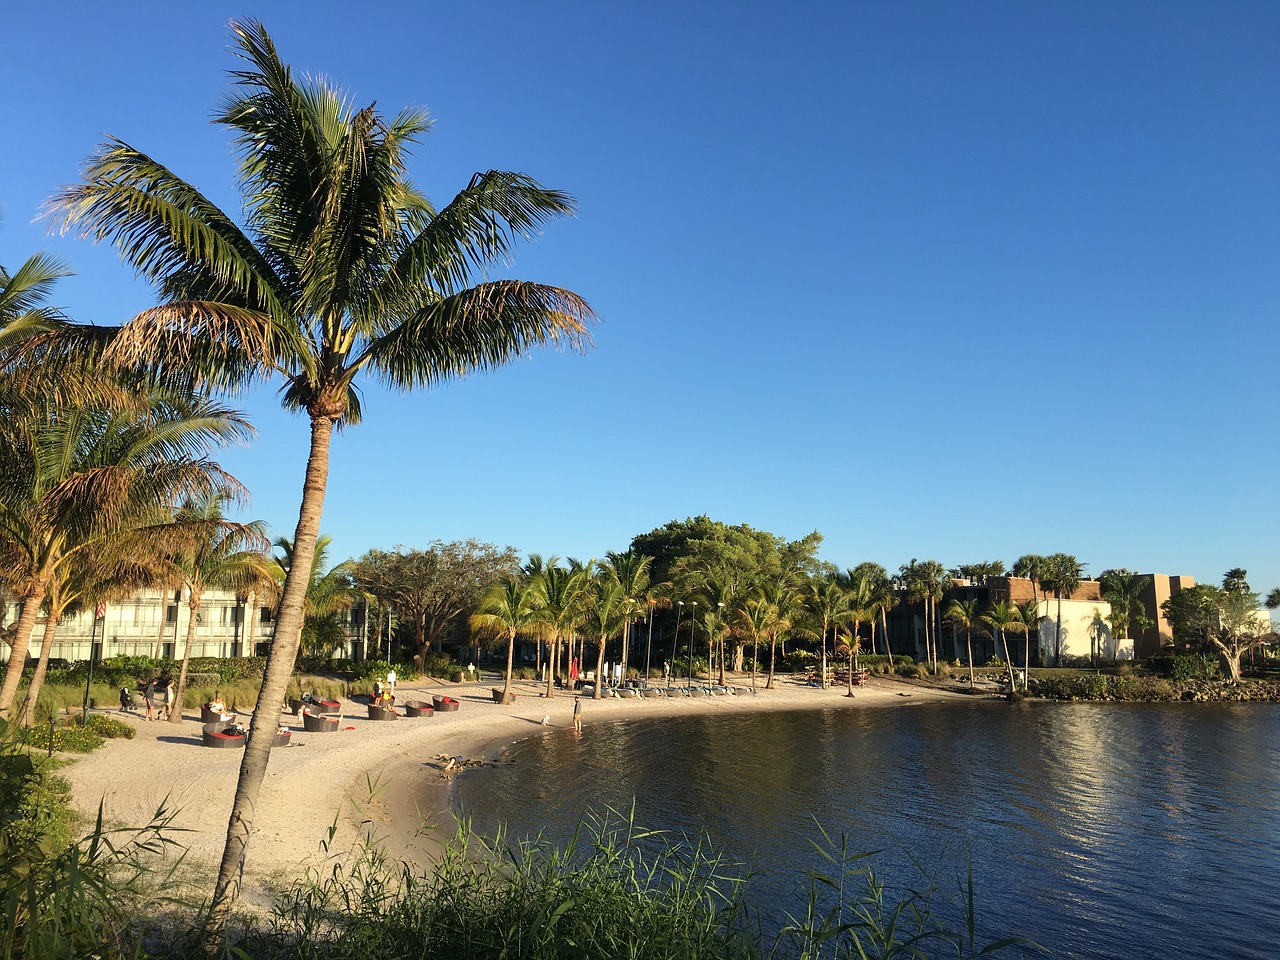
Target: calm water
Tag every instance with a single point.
(1126, 831)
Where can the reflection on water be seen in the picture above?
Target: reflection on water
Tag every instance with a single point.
(1100, 830)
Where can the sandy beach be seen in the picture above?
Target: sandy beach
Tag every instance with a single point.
(373, 774)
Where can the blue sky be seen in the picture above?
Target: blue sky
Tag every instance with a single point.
(946, 281)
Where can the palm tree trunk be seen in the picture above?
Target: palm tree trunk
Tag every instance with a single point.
(193, 613)
(598, 692)
(275, 681)
(552, 665)
(884, 623)
(27, 712)
(755, 663)
(773, 642)
(31, 604)
(511, 660)
(968, 641)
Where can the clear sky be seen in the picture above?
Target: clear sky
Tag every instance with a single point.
(954, 281)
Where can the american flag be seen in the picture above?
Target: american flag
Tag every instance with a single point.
(102, 609)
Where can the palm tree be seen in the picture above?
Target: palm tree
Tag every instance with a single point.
(1236, 580)
(562, 595)
(1002, 617)
(342, 268)
(787, 602)
(24, 314)
(75, 479)
(219, 554)
(607, 611)
(1029, 615)
(330, 592)
(927, 582)
(965, 614)
(630, 571)
(510, 607)
(756, 618)
(828, 607)
(1062, 572)
(1123, 589)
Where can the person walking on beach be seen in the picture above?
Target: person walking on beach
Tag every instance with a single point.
(391, 682)
(577, 714)
(167, 696)
(149, 695)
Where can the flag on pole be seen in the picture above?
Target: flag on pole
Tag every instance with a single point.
(102, 609)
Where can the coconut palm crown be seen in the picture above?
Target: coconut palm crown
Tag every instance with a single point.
(341, 267)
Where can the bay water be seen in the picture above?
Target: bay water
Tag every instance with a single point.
(1136, 831)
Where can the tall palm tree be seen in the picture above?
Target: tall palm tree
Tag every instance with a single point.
(510, 607)
(1002, 617)
(1123, 590)
(964, 613)
(75, 479)
(787, 601)
(607, 611)
(330, 592)
(828, 605)
(756, 619)
(1062, 572)
(342, 268)
(217, 554)
(562, 599)
(24, 312)
(630, 571)
(1029, 614)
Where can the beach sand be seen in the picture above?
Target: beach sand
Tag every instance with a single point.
(372, 775)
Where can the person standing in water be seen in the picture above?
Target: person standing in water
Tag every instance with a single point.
(577, 714)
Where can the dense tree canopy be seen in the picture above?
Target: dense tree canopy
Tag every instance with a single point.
(433, 586)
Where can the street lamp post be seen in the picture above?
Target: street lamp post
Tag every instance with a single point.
(671, 667)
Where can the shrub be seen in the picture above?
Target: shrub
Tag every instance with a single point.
(67, 734)
(109, 728)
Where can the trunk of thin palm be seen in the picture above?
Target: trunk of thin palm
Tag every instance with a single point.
(598, 692)
(968, 642)
(755, 663)
(552, 665)
(275, 681)
(626, 642)
(722, 658)
(27, 712)
(21, 645)
(511, 662)
(773, 645)
(193, 612)
(884, 624)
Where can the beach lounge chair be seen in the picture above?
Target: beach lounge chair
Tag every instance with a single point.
(418, 708)
(222, 734)
(319, 723)
(377, 712)
(445, 704)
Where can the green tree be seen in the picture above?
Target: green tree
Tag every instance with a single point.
(1029, 617)
(24, 310)
(342, 268)
(434, 586)
(1063, 573)
(828, 607)
(1002, 617)
(214, 553)
(926, 583)
(1031, 566)
(330, 593)
(630, 571)
(1123, 590)
(75, 479)
(1227, 621)
(563, 595)
(607, 610)
(512, 606)
(964, 613)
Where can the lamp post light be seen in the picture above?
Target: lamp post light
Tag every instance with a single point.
(671, 667)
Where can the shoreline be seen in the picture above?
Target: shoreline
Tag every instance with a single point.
(374, 775)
